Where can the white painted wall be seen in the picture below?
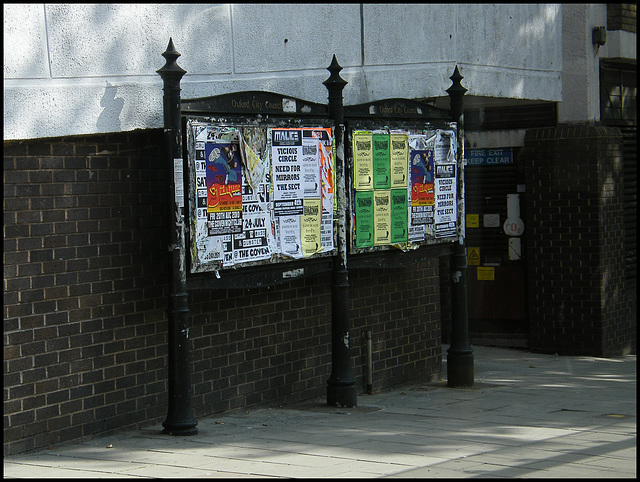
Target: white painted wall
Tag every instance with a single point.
(580, 79)
(581, 59)
(80, 69)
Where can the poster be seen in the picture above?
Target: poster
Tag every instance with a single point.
(327, 182)
(310, 227)
(399, 216)
(422, 177)
(381, 161)
(252, 244)
(286, 163)
(446, 203)
(399, 152)
(362, 161)
(224, 187)
(289, 240)
(445, 218)
(364, 219)
(381, 217)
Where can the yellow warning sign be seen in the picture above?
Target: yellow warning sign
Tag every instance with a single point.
(473, 220)
(486, 273)
(473, 256)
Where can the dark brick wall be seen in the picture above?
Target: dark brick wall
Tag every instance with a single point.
(622, 16)
(84, 286)
(575, 231)
(401, 308)
(85, 297)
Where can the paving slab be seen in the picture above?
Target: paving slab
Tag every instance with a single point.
(528, 415)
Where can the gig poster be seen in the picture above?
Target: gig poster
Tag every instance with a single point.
(381, 160)
(446, 181)
(399, 152)
(363, 219)
(399, 217)
(362, 161)
(445, 218)
(224, 187)
(381, 217)
(422, 186)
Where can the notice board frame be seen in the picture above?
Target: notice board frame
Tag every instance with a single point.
(260, 109)
(409, 115)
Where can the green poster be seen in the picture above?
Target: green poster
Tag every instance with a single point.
(381, 161)
(364, 219)
(399, 217)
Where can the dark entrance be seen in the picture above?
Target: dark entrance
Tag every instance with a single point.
(496, 250)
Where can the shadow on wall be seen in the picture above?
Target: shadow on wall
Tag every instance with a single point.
(109, 119)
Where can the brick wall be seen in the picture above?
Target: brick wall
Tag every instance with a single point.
(85, 297)
(401, 308)
(575, 233)
(84, 286)
(622, 16)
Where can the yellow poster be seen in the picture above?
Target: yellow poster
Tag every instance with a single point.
(310, 227)
(362, 161)
(486, 273)
(399, 159)
(381, 217)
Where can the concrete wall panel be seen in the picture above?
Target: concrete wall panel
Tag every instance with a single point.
(73, 69)
(25, 43)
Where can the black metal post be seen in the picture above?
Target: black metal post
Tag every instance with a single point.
(341, 386)
(180, 419)
(460, 371)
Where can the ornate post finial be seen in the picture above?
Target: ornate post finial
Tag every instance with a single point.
(456, 91)
(334, 81)
(171, 67)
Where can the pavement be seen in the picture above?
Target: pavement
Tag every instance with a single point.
(527, 415)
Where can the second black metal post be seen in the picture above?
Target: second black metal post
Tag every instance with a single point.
(341, 389)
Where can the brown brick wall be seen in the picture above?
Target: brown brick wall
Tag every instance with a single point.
(85, 297)
(575, 233)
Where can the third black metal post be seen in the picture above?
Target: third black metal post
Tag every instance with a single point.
(460, 370)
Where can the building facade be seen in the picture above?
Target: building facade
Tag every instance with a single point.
(86, 272)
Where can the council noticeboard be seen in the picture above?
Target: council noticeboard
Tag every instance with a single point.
(404, 190)
(259, 194)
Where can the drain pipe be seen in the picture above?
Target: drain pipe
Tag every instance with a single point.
(369, 362)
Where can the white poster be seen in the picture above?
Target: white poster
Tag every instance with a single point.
(445, 218)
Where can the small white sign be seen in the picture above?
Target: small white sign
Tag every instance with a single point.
(491, 220)
(178, 182)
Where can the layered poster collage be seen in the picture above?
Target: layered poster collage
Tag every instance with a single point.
(263, 194)
(404, 186)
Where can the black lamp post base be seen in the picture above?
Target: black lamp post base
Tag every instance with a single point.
(460, 370)
(343, 395)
